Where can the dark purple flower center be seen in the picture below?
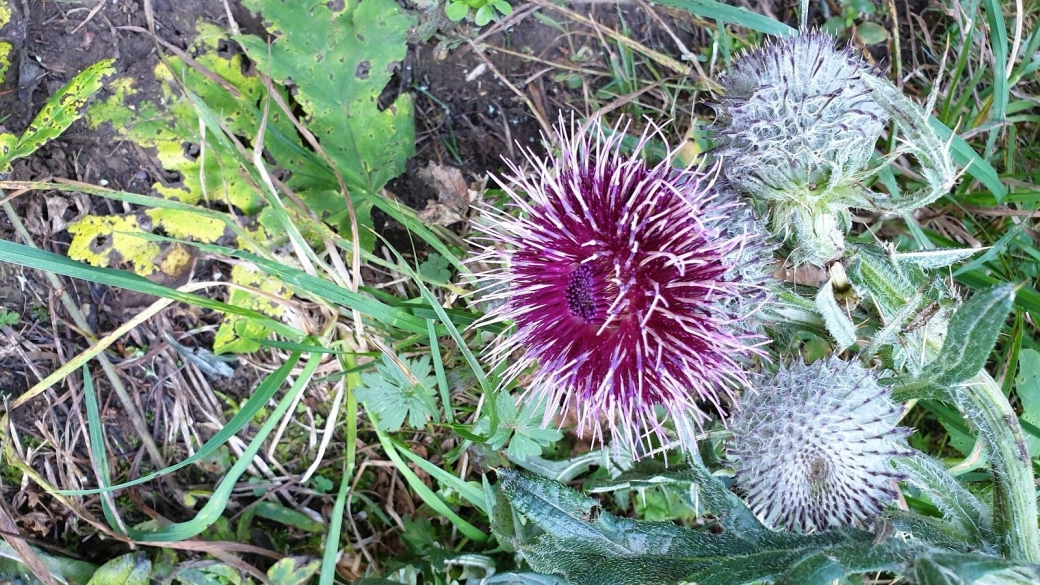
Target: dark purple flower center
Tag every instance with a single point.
(581, 293)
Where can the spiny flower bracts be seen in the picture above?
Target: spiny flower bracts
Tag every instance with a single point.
(631, 286)
(796, 113)
(813, 444)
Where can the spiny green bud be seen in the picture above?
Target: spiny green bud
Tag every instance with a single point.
(796, 126)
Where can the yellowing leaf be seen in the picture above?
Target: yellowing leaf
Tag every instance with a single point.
(175, 261)
(236, 333)
(187, 225)
(97, 241)
(60, 111)
(5, 56)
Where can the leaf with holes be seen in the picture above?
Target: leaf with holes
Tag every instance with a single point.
(340, 55)
(60, 111)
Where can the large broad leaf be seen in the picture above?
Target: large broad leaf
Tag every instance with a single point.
(591, 547)
(339, 58)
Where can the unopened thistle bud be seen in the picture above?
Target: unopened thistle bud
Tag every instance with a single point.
(630, 285)
(813, 446)
(796, 126)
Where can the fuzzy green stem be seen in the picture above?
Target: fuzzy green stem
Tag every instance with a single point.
(1015, 510)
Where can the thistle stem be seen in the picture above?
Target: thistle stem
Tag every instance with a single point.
(1015, 509)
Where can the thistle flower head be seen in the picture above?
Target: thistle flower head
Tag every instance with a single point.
(627, 283)
(796, 126)
(813, 445)
(795, 112)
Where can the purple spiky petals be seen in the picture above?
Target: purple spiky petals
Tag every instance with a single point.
(622, 280)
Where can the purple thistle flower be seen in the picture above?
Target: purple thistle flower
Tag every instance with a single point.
(629, 284)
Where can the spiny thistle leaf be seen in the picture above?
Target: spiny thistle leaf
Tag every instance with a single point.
(972, 334)
(709, 491)
(920, 140)
(961, 509)
(931, 259)
(590, 548)
(962, 569)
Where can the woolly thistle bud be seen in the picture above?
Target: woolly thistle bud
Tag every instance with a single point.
(813, 444)
(629, 283)
(796, 126)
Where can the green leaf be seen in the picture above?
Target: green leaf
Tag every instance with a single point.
(484, 15)
(289, 517)
(502, 7)
(972, 332)
(217, 574)
(871, 33)
(522, 428)
(731, 15)
(1027, 387)
(456, 11)
(129, 569)
(435, 268)
(293, 571)
(395, 394)
(60, 111)
(340, 60)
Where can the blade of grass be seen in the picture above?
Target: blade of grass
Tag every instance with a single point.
(426, 494)
(42, 260)
(316, 287)
(80, 359)
(1000, 91)
(486, 388)
(328, 565)
(731, 15)
(965, 156)
(219, 499)
(263, 393)
(471, 494)
(98, 453)
(438, 370)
